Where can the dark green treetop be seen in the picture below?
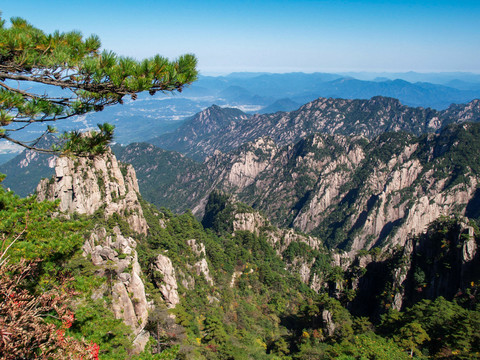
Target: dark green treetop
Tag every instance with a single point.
(87, 79)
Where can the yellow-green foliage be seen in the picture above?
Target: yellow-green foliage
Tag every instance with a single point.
(31, 231)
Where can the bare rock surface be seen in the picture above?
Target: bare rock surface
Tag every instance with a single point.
(201, 266)
(167, 283)
(85, 185)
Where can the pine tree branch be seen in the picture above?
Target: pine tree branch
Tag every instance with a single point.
(22, 144)
(67, 61)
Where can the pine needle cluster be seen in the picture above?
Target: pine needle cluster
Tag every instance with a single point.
(83, 77)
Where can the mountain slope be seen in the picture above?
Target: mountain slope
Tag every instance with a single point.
(25, 170)
(193, 136)
(351, 192)
(161, 175)
(225, 129)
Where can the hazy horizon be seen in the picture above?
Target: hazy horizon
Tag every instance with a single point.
(277, 36)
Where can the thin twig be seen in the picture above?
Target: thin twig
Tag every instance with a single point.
(8, 247)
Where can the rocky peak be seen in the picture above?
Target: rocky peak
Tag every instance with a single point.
(84, 185)
(199, 129)
(214, 118)
(221, 129)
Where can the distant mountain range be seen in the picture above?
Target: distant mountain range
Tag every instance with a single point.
(441, 78)
(301, 88)
(263, 93)
(224, 129)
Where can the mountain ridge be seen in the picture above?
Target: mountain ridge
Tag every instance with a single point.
(331, 116)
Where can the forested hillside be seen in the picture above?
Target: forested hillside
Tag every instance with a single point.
(239, 287)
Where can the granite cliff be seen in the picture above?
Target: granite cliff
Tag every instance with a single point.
(352, 192)
(104, 188)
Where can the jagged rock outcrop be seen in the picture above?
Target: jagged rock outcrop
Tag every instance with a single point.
(234, 171)
(201, 266)
(198, 248)
(329, 324)
(280, 240)
(116, 258)
(252, 222)
(167, 282)
(85, 186)
(226, 129)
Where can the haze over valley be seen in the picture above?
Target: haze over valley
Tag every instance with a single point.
(286, 181)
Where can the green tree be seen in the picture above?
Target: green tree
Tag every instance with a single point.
(411, 336)
(214, 331)
(366, 346)
(80, 79)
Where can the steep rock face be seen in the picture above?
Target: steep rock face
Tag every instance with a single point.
(84, 185)
(234, 171)
(357, 194)
(250, 163)
(441, 261)
(167, 282)
(289, 175)
(416, 216)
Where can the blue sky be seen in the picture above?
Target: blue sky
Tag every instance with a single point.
(276, 36)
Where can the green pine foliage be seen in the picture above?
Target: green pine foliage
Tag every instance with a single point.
(439, 328)
(87, 78)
